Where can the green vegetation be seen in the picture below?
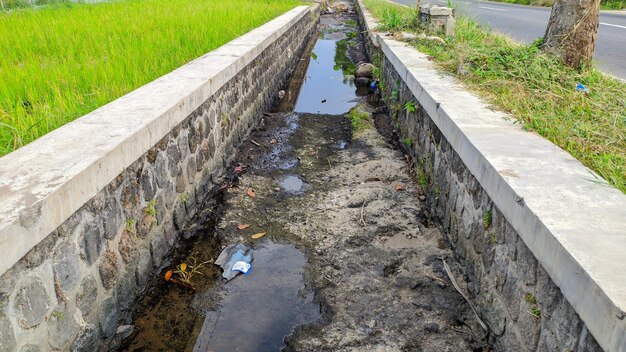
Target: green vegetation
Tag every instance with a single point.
(604, 4)
(360, 119)
(151, 208)
(487, 219)
(71, 58)
(534, 309)
(539, 91)
(410, 107)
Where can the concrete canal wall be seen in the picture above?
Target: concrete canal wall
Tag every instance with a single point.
(542, 238)
(90, 210)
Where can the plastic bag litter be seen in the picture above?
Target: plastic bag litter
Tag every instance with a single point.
(581, 88)
(231, 258)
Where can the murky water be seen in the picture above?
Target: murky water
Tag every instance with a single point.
(258, 311)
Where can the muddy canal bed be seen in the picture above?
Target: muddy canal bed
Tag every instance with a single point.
(347, 262)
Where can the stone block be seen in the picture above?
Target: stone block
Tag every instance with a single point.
(159, 249)
(87, 340)
(113, 217)
(108, 317)
(144, 269)
(126, 291)
(92, 242)
(161, 172)
(173, 157)
(32, 302)
(108, 269)
(87, 295)
(148, 186)
(7, 335)
(65, 264)
(62, 328)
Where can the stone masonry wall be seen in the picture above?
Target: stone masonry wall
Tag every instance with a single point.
(76, 289)
(523, 308)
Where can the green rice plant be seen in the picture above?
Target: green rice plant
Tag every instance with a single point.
(68, 59)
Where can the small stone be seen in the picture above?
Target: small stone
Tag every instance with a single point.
(432, 327)
(31, 303)
(108, 269)
(123, 331)
(408, 36)
(65, 265)
(364, 69)
(87, 294)
(87, 340)
(436, 39)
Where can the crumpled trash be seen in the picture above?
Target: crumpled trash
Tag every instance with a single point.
(373, 85)
(581, 88)
(235, 259)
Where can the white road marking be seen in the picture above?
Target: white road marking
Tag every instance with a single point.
(613, 25)
(492, 8)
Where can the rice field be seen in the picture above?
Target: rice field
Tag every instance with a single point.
(59, 62)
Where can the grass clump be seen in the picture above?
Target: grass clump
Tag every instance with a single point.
(68, 59)
(360, 120)
(541, 93)
(393, 17)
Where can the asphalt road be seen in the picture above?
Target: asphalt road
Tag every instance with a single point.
(527, 23)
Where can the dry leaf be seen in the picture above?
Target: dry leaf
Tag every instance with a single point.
(399, 187)
(251, 193)
(273, 141)
(183, 267)
(240, 169)
(243, 227)
(258, 235)
(168, 275)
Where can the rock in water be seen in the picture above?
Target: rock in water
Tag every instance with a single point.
(364, 69)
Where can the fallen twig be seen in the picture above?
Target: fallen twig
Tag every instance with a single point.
(183, 284)
(362, 220)
(449, 272)
(255, 142)
(435, 278)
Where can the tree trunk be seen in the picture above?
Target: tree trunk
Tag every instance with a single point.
(572, 31)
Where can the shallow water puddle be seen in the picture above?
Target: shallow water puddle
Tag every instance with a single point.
(292, 184)
(326, 90)
(260, 309)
